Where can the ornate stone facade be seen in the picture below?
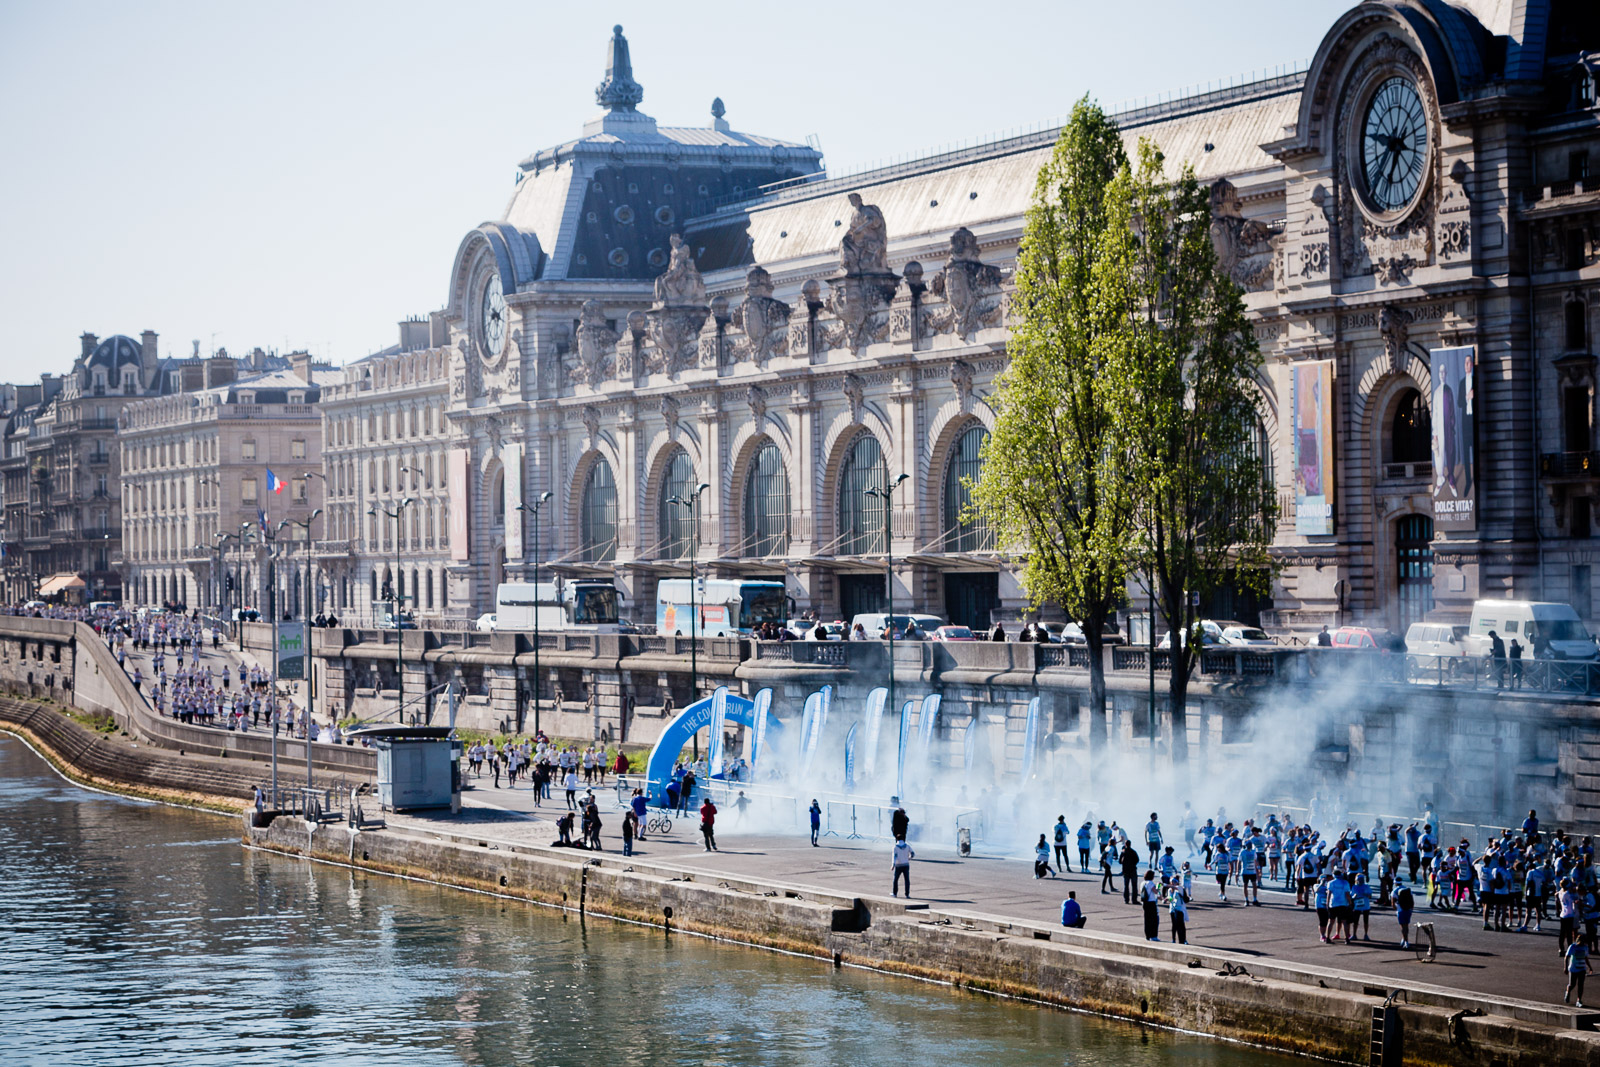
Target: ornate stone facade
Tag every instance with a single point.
(687, 307)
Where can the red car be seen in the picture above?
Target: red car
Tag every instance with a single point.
(1367, 639)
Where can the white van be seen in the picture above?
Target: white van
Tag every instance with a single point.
(875, 621)
(1435, 639)
(1545, 630)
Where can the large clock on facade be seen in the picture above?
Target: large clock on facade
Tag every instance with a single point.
(1394, 145)
(494, 318)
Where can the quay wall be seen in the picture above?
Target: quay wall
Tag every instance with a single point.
(1307, 1010)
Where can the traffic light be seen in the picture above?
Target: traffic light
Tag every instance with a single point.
(230, 583)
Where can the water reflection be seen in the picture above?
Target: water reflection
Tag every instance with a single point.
(143, 934)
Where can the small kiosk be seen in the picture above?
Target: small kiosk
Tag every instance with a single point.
(418, 766)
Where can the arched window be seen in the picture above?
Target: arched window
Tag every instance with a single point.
(1411, 435)
(959, 535)
(766, 504)
(861, 517)
(599, 514)
(676, 519)
(1414, 548)
(497, 502)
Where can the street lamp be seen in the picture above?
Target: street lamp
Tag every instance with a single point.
(533, 510)
(308, 475)
(310, 669)
(693, 504)
(223, 599)
(395, 600)
(887, 496)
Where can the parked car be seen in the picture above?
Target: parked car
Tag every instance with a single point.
(1211, 635)
(953, 633)
(875, 621)
(807, 629)
(1241, 636)
(1367, 639)
(486, 622)
(1071, 633)
(1546, 630)
(1435, 639)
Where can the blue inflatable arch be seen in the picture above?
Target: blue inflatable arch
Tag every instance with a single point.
(693, 719)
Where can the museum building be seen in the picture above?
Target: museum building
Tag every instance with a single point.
(707, 351)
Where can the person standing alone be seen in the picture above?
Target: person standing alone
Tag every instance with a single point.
(816, 821)
(901, 860)
(1063, 846)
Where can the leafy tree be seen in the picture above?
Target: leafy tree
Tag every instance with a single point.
(1182, 375)
(1050, 484)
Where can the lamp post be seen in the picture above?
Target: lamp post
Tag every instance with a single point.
(887, 496)
(693, 504)
(395, 600)
(224, 599)
(308, 475)
(310, 669)
(533, 510)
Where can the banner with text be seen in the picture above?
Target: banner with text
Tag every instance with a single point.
(456, 483)
(1312, 387)
(1455, 452)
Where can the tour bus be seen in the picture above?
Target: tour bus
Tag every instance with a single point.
(728, 607)
(588, 605)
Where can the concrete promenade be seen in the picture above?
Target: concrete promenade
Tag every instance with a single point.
(1003, 888)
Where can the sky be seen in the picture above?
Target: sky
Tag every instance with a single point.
(298, 175)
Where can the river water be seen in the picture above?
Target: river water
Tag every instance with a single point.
(132, 933)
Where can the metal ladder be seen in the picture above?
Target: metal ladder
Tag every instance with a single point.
(1387, 1044)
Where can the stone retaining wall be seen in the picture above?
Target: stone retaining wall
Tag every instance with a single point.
(1309, 1010)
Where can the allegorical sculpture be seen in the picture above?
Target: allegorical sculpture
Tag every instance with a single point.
(970, 287)
(1245, 248)
(763, 317)
(597, 343)
(861, 294)
(679, 310)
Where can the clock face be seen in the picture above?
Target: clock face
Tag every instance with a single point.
(494, 318)
(1394, 145)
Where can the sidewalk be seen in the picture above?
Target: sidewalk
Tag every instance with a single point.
(1470, 959)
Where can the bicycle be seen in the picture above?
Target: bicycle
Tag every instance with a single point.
(658, 824)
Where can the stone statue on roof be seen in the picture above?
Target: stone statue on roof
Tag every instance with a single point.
(680, 285)
(865, 247)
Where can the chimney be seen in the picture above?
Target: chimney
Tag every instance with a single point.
(219, 371)
(89, 341)
(414, 335)
(147, 348)
(300, 362)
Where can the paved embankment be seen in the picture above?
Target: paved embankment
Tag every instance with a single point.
(1318, 1010)
(118, 762)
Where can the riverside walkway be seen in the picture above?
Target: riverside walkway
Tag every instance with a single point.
(1003, 889)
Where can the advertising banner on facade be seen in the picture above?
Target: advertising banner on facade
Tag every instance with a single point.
(511, 458)
(1455, 453)
(1311, 385)
(291, 638)
(456, 483)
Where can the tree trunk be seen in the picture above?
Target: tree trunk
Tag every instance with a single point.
(1096, 709)
(1178, 683)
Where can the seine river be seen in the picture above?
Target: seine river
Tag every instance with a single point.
(140, 934)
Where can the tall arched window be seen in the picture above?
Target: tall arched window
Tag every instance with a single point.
(676, 520)
(599, 514)
(1410, 436)
(1413, 545)
(766, 504)
(861, 517)
(497, 503)
(959, 535)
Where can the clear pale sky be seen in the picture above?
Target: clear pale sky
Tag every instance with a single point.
(298, 175)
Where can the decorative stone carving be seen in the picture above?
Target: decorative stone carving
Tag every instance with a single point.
(591, 422)
(669, 411)
(865, 247)
(764, 319)
(757, 398)
(1244, 247)
(597, 343)
(961, 378)
(1394, 324)
(855, 391)
(680, 309)
(618, 91)
(970, 287)
(1394, 270)
(1455, 238)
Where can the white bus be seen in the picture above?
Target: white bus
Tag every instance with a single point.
(588, 605)
(727, 607)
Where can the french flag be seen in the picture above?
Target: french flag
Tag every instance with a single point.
(274, 483)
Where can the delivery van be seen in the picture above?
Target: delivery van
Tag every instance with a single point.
(1546, 630)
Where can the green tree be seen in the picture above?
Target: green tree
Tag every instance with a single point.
(1182, 375)
(1050, 488)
